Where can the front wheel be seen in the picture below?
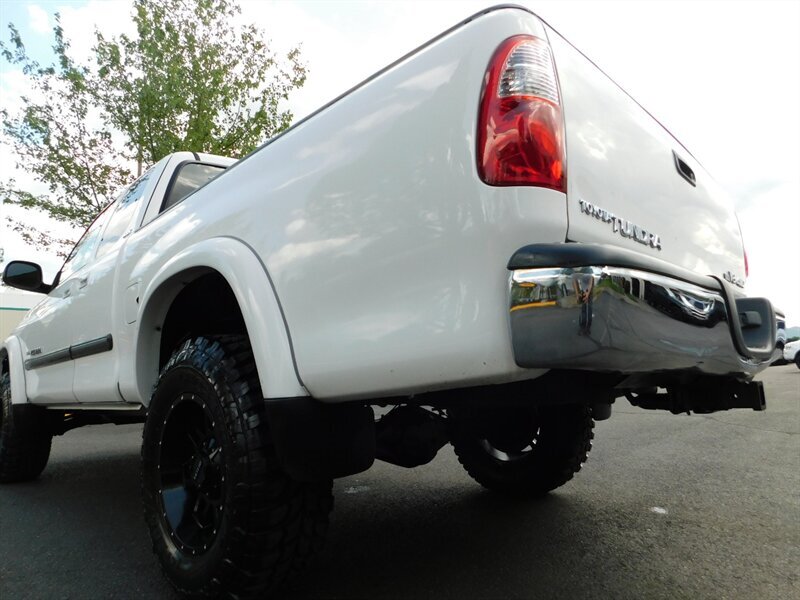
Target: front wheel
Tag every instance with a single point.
(25, 438)
(525, 451)
(224, 519)
(797, 359)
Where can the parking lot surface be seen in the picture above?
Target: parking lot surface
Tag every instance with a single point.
(666, 507)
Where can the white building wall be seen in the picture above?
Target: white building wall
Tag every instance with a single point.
(13, 306)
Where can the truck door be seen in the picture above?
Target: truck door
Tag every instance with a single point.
(46, 331)
(95, 314)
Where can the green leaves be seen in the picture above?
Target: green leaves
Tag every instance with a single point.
(197, 80)
(190, 79)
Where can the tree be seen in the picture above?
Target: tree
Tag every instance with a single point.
(191, 79)
(58, 141)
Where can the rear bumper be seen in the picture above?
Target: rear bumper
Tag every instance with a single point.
(599, 308)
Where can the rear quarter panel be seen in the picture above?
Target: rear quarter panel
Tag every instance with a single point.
(386, 251)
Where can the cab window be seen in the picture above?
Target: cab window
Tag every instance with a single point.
(124, 208)
(84, 250)
(188, 178)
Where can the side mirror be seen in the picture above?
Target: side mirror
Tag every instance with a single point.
(25, 275)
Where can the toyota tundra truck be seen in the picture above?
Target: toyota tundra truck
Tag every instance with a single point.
(488, 239)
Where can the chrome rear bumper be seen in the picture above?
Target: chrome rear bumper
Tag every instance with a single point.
(626, 320)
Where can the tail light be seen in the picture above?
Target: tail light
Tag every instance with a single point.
(746, 266)
(521, 128)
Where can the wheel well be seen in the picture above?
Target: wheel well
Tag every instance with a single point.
(205, 306)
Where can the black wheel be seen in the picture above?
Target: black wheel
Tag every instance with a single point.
(526, 452)
(797, 359)
(223, 517)
(25, 438)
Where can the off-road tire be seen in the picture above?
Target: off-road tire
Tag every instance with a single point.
(25, 438)
(269, 525)
(560, 442)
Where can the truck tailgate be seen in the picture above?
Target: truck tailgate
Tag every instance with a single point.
(631, 183)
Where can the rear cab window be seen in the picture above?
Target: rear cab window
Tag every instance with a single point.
(187, 178)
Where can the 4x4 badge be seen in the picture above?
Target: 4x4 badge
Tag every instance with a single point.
(731, 277)
(625, 228)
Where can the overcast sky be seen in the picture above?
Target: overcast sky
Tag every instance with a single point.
(723, 77)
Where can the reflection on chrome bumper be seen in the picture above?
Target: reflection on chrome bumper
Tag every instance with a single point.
(621, 320)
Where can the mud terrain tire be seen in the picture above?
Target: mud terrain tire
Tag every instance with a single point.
(223, 517)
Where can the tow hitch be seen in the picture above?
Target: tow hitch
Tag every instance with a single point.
(703, 398)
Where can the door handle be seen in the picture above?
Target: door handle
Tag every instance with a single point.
(685, 170)
(82, 282)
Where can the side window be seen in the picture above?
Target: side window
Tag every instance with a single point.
(187, 179)
(84, 249)
(124, 209)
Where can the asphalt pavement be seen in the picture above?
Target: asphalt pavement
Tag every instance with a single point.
(666, 507)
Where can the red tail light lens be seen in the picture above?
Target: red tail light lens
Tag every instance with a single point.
(521, 128)
(746, 265)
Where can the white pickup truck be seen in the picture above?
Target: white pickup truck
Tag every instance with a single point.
(488, 235)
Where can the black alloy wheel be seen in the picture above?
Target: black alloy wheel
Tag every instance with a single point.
(525, 451)
(192, 472)
(512, 438)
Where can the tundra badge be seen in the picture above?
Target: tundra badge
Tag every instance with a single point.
(623, 226)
